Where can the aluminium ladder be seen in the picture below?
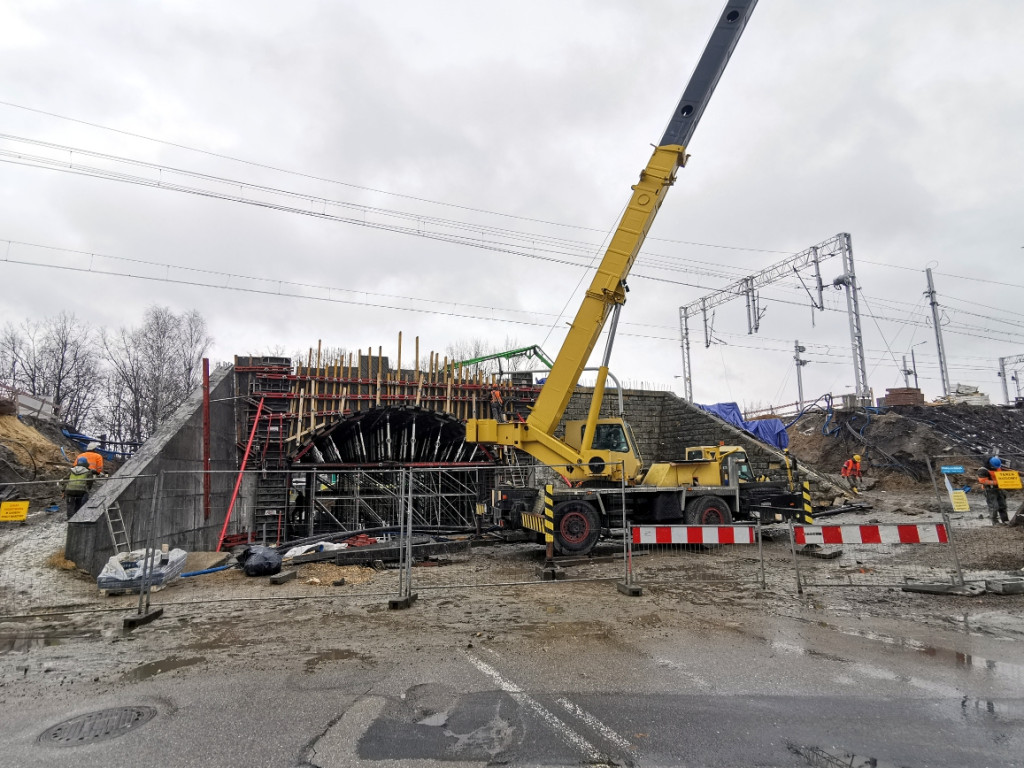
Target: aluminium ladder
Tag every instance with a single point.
(118, 530)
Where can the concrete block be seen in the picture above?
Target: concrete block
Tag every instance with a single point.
(1009, 586)
(283, 576)
(399, 603)
(137, 620)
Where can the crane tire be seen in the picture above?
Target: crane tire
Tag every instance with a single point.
(577, 527)
(708, 510)
(666, 507)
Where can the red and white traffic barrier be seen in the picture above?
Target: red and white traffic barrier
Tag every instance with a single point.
(694, 534)
(930, 533)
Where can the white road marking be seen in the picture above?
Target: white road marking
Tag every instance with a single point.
(573, 739)
(596, 724)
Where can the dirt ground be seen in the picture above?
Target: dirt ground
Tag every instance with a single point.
(221, 617)
(42, 590)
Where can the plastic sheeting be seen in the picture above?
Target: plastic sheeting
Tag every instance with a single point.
(770, 431)
(123, 572)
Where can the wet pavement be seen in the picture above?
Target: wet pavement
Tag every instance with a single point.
(599, 680)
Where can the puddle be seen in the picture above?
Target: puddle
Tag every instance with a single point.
(26, 641)
(336, 654)
(437, 720)
(159, 667)
(817, 756)
(977, 666)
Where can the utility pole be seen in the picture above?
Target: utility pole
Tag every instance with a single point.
(1002, 374)
(913, 363)
(848, 280)
(930, 293)
(799, 377)
(684, 321)
(906, 373)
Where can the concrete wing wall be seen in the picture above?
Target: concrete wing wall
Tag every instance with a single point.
(177, 450)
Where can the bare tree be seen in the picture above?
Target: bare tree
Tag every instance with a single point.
(57, 359)
(71, 368)
(151, 370)
(21, 356)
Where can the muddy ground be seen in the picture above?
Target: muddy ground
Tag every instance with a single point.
(55, 624)
(47, 605)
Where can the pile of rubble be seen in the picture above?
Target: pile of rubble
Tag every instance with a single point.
(896, 444)
(31, 462)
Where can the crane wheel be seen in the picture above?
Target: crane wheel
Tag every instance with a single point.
(708, 510)
(577, 527)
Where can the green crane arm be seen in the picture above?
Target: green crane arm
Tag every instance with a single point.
(529, 352)
(608, 287)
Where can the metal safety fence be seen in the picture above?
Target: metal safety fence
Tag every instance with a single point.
(874, 555)
(986, 519)
(389, 533)
(696, 556)
(516, 539)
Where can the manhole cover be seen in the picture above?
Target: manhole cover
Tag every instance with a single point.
(96, 726)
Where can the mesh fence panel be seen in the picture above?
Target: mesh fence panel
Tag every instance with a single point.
(987, 548)
(680, 554)
(875, 555)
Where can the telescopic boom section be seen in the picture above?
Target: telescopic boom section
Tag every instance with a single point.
(608, 286)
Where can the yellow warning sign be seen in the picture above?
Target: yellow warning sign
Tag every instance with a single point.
(1008, 478)
(959, 499)
(13, 511)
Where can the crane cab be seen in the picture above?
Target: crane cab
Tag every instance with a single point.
(614, 448)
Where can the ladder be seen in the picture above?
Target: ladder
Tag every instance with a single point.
(118, 531)
(516, 472)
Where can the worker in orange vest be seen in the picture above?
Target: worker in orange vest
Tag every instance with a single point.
(94, 458)
(851, 471)
(995, 497)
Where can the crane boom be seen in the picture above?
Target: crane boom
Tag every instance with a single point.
(607, 290)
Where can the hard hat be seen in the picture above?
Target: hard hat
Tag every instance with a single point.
(995, 462)
(82, 461)
(92, 446)
(856, 457)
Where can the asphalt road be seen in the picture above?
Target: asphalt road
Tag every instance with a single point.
(665, 685)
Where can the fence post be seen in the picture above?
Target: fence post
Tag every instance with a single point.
(796, 561)
(760, 552)
(627, 587)
(405, 597)
(144, 615)
(946, 521)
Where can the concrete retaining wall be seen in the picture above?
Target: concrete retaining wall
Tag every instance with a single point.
(176, 447)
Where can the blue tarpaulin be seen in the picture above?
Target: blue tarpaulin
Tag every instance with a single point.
(770, 431)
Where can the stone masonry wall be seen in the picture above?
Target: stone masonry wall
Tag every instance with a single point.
(665, 425)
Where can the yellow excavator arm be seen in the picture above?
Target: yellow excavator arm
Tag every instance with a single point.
(607, 291)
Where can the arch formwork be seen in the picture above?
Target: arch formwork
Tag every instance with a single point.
(330, 442)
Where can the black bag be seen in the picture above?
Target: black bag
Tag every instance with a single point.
(260, 561)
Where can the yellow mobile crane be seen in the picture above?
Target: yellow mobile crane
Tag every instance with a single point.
(713, 483)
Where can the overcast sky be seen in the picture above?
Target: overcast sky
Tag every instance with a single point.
(472, 157)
